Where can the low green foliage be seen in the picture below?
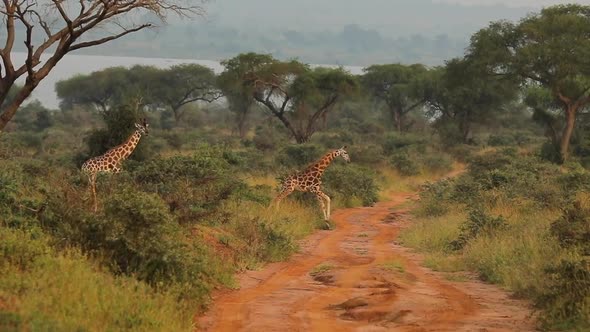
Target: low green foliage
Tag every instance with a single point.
(351, 183)
(478, 223)
(514, 232)
(319, 269)
(393, 265)
(34, 277)
(299, 155)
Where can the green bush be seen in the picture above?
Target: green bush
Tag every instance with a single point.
(566, 301)
(351, 182)
(434, 198)
(404, 163)
(462, 152)
(192, 186)
(298, 155)
(501, 140)
(478, 223)
(572, 229)
(268, 138)
(46, 290)
(436, 162)
(138, 234)
(396, 141)
(369, 155)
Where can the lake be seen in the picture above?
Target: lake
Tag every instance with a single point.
(74, 64)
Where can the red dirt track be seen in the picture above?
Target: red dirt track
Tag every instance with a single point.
(369, 283)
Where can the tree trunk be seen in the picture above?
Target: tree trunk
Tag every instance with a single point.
(242, 118)
(11, 108)
(566, 136)
(465, 128)
(302, 138)
(397, 120)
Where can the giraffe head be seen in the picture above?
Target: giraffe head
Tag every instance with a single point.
(342, 153)
(143, 127)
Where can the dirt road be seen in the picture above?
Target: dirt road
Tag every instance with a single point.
(356, 278)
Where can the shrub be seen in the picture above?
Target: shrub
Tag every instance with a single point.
(501, 140)
(396, 141)
(572, 229)
(267, 138)
(434, 198)
(404, 164)
(566, 301)
(298, 155)
(436, 162)
(550, 152)
(369, 155)
(350, 182)
(192, 186)
(139, 235)
(462, 152)
(479, 222)
(45, 290)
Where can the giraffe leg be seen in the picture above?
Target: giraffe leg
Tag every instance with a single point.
(284, 193)
(92, 179)
(328, 201)
(320, 198)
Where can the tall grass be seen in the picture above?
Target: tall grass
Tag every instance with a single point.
(43, 290)
(499, 220)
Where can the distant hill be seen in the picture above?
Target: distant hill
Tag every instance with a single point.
(342, 32)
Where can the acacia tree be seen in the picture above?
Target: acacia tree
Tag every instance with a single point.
(100, 89)
(291, 91)
(402, 88)
(110, 87)
(461, 95)
(549, 49)
(65, 26)
(236, 89)
(183, 84)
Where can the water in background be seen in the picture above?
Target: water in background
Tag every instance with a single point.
(73, 64)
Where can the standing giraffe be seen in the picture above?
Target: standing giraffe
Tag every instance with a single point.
(310, 180)
(111, 161)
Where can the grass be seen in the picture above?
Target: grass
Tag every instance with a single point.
(444, 262)
(392, 182)
(321, 268)
(433, 234)
(254, 180)
(68, 292)
(393, 265)
(516, 257)
(456, 278)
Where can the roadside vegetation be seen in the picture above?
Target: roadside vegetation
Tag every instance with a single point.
(191, 207)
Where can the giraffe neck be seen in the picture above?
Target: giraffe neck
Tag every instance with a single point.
(323, 163)
(124, 150)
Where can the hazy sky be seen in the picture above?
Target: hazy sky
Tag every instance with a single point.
(514, 3)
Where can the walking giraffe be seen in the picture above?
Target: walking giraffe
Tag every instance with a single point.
(310, 180)
(111, 161)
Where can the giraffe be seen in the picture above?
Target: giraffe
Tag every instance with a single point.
(110, 161)
(310, 180)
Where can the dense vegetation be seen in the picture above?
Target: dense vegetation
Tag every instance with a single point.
(518, 221)
(191, 207)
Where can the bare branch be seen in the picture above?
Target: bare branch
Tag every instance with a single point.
(64, 15)
(42, 23)
(108, 39)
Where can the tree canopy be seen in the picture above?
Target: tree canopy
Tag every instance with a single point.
(143, 86)
(402, 88)
(296, 94)
(62, 27)
(548, 49)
